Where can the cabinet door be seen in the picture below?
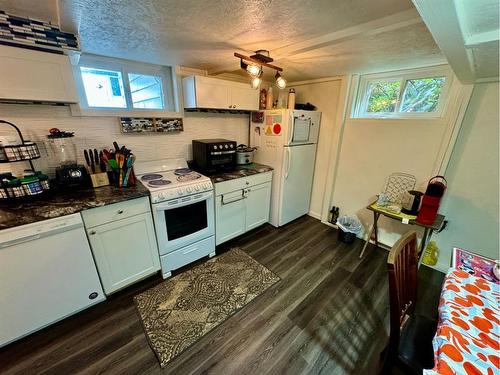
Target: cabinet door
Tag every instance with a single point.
(229, 216)
(125, 251)
(257, 205)
(243, 97)
(212, 93)
(33, 75)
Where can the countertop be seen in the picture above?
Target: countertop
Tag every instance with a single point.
(65, 202)
(238, 172)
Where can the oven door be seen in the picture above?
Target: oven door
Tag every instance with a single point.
(183, 221)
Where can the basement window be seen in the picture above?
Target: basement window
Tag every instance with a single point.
(410, 94)
(108, 86)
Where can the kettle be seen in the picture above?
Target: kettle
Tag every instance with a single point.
(412, 202)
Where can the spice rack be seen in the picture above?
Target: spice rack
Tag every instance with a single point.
(14, 188)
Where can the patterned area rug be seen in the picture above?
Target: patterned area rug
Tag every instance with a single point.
(179, 311)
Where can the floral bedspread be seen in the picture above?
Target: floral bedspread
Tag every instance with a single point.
(467, 340)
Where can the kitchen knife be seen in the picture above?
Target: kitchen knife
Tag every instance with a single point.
(86, 155)
(92, 165)
(102, 162)
(96, 158)
(115, 145)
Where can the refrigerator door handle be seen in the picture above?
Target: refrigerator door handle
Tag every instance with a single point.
(288, 161)
(291, 129)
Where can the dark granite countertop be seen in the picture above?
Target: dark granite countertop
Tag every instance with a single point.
(65, 202)
(239, 171)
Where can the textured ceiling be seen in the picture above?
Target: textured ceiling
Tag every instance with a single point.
(204, 34)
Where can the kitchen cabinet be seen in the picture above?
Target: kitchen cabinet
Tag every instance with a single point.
(124, 243)
(241, 205)
(215, 93)
(29, 75)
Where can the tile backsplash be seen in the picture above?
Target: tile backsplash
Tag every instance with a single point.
(98, 132)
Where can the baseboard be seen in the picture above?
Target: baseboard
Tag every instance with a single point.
(314, 215)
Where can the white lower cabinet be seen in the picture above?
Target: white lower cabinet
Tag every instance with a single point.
(241, 205)
(257, 205)
(124, 249)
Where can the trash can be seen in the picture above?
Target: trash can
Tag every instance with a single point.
(349, 228)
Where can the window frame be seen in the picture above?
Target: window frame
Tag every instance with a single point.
(126, 67)
(361, 97)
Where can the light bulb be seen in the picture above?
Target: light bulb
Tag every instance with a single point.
(255, 82)
(253, 70)
(280, 81)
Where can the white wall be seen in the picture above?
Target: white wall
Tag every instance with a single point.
(325, 96)
(471, 201)
(97, 132)
(372, 149)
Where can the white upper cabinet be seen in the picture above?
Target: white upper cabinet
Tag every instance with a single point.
(35, 76)
(214, 93)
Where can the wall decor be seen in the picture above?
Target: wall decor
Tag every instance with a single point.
(33, 34)
(134, 125)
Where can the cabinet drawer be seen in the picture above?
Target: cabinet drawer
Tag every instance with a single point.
(188, 254)
(116, 211)
(241, 183)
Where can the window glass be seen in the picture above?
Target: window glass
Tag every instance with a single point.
(422, 95)
(103, 88)
(382, 96)
(146, 91)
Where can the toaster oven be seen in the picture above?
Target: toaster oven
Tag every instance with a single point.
(211, 155)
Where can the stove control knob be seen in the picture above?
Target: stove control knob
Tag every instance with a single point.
(226, 146)
(220, 147)
(179, 192)
(215, 147)
(162, 196)
(197, 187)
(188, 189)
(231, 145)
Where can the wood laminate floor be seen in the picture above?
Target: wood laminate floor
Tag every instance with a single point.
(328, 315)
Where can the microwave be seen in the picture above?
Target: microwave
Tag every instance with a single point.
(212, 155)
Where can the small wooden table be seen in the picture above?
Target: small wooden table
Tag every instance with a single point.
(428, 229)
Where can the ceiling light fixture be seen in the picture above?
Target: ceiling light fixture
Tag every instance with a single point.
(256, 63)
(255, 82)
(280, 81)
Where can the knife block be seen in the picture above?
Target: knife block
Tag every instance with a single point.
(99, 179)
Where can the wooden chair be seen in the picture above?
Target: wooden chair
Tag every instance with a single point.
(410, 338)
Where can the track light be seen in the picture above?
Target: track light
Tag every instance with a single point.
(255, 82)
(254, 70)
(280, 81)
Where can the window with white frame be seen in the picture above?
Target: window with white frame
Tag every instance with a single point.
(410, 94)
(120, 85)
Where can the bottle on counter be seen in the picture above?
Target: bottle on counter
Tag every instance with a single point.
(281, 99)
(262, 99)
(269, 98)
(291, 99)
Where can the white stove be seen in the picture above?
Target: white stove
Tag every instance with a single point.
(170, 179)
(182, 203)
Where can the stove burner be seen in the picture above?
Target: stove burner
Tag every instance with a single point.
(155, 183)
(188, 177)
(151, 176)
(182, 171)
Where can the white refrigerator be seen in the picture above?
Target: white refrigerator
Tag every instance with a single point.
(286, 140)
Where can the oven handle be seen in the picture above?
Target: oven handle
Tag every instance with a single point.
(243, 196)
(165, 206)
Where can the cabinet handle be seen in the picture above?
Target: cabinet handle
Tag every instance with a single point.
(243, 196)
(248, 183)
(120, 212)
(92, 232)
